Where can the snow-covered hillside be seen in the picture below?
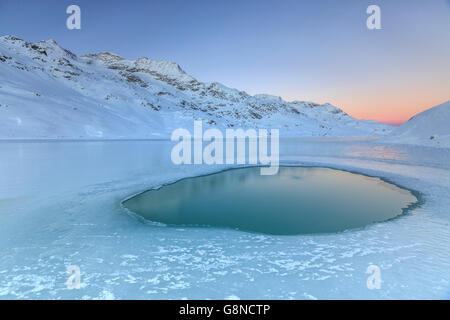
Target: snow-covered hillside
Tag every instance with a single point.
(48, 92)
(429, 128)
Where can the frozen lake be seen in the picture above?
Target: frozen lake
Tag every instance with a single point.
(60, 205)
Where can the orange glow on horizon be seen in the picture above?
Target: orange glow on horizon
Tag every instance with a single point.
(390, 113)
(389, 109)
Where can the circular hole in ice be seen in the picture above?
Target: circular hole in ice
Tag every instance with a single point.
(298, 200)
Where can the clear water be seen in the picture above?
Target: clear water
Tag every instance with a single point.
(298, 200)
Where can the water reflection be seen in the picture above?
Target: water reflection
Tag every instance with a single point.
(377, 152)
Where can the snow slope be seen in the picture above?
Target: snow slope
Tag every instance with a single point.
(49, 92)
(429, 128)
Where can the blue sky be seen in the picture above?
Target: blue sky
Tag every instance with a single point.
(308, 50)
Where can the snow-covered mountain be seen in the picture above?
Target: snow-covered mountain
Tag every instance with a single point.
(49, 92)
(429, 128)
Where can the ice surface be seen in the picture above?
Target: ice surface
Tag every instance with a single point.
(60, 206)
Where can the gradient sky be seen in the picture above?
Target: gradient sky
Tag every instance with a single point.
(317, 50)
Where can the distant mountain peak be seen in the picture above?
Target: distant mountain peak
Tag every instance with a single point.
(11, 38)
(106, 95)
(165, 67)
(50, 48)
(106, 57)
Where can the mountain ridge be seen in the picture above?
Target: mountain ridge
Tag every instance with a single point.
(47, 91)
